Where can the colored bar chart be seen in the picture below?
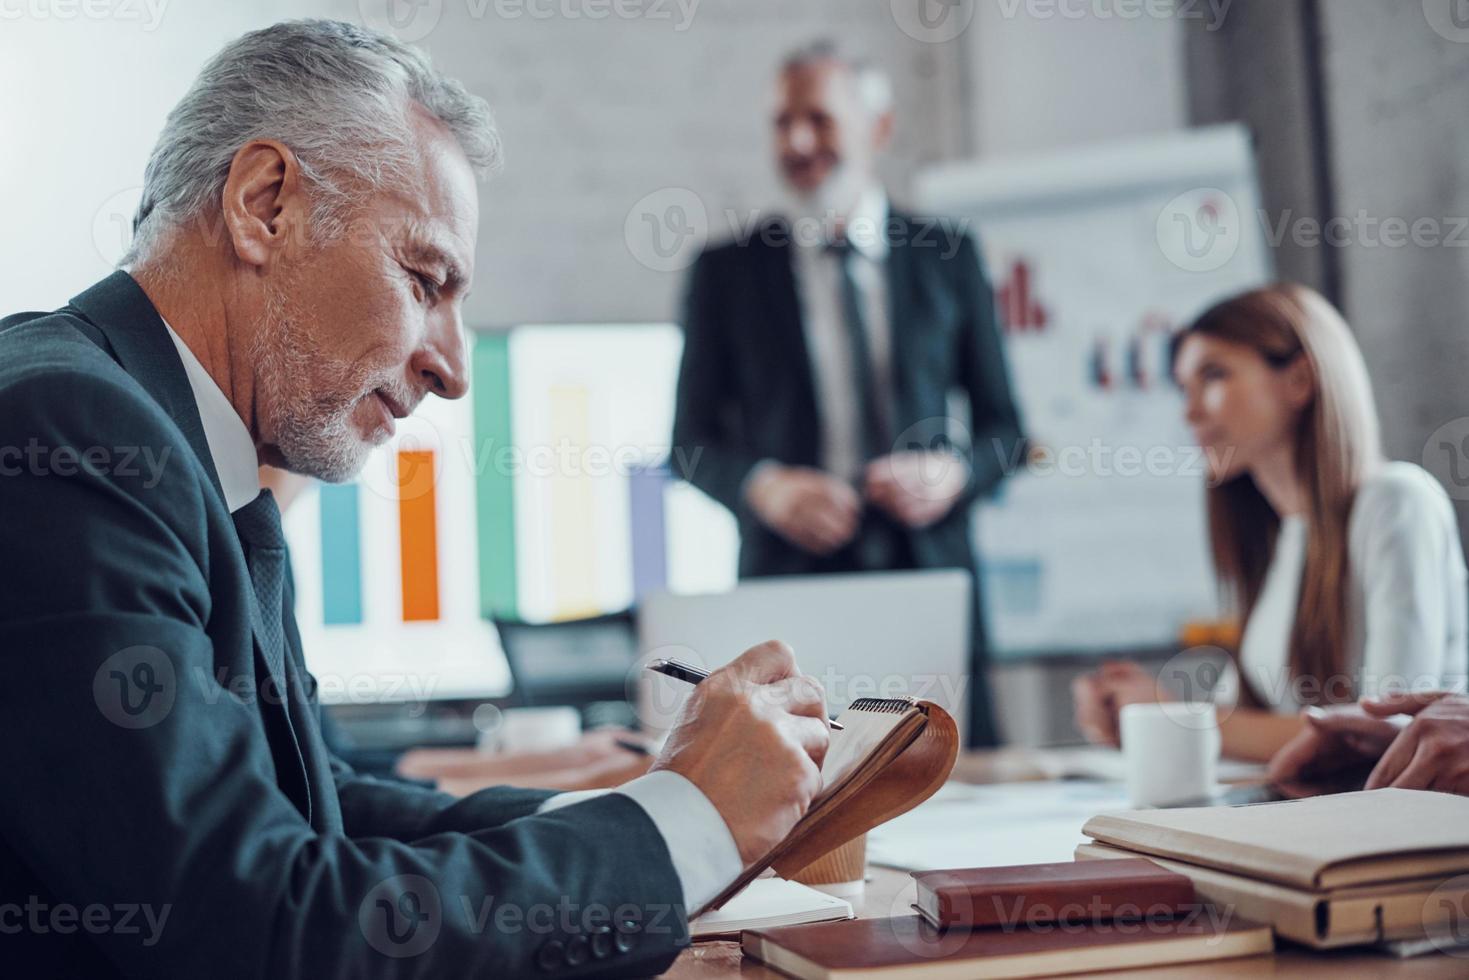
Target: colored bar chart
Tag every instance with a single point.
(418, 535)
(341, 550)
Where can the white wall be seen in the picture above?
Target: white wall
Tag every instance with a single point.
(1048, 74)
(597, 111)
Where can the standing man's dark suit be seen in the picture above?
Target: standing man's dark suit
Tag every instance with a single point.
(150, 759)
(746, 393)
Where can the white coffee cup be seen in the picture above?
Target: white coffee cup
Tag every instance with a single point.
(1171, 751)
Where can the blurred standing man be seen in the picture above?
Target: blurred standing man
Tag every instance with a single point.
(820, 353)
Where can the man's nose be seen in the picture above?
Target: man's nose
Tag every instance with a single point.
(442, 363)
(802, 137)
(1193, 410)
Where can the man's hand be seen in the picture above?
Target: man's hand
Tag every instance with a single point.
(752, 737)
(1335, 743)
(1101, 695)
(810, 508)
(917, 488)
(1432, 752)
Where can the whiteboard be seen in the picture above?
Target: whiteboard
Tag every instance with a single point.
(1097, 255)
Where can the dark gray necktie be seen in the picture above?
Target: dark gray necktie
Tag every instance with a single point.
(258, 524)
(876, 440)
(877, 545)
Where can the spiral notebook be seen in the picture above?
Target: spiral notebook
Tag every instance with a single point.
(892, 754)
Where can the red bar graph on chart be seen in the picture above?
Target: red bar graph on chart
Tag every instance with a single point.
(1021, 311)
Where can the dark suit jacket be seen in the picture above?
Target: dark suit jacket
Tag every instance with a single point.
(746, 394)
(154, 759)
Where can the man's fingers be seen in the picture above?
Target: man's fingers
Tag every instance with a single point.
(1293, 759)
(1401, 704)
(1351, 723)
(1420, 771)
(1395, 759)
(799, 695)
(833, 525)
(765, 663)
(812, 735)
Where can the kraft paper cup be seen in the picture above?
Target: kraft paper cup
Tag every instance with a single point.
(843, 870)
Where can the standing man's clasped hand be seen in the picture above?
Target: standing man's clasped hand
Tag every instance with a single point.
(752, 737)
(821, 513)
(810, 508)
(1429, 752)
(916, 488)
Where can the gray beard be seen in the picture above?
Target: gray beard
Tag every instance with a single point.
(314, 435)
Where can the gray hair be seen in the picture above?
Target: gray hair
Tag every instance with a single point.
(874, 88)
(337, 94)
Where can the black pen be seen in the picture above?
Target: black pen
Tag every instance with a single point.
(690, 674)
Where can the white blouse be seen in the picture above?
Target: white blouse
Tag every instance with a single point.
(1408, 625)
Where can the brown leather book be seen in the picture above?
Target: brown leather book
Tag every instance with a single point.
(1099, 891)
(906, 946)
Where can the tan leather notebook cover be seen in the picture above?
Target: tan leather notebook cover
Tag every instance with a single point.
(907, 946)
(1403, 910)
(1096, 891)
(893, 754)
(1317, 843)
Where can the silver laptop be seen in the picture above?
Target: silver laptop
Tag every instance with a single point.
(888, 634)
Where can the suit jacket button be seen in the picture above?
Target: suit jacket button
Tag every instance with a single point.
(551, 956)
(601, 942)
(578, 951)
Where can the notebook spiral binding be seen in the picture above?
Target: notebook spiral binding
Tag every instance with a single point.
(889, 705)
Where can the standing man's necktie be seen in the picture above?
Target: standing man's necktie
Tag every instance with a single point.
(258, 524)
(872, 420)
(877, 544)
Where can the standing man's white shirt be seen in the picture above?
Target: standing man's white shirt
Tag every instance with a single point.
(704, 853)
(818, 291)
(1406, 602)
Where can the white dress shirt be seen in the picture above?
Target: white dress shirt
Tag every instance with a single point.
(1406, 603)
(704, 853)
(818, 291)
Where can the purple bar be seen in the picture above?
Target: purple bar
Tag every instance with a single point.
(649, 532)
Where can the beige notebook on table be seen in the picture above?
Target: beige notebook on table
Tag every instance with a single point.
(1325, 871)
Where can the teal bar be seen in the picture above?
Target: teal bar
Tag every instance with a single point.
(341, 555)
(494, 482)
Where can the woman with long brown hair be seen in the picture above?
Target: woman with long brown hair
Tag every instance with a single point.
(1346, 569)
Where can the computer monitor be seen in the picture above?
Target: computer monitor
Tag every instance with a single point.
(575, 662)
(864, 635)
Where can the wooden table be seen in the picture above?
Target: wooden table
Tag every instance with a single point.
(890, 892)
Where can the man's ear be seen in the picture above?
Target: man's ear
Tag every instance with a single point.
(264, 202)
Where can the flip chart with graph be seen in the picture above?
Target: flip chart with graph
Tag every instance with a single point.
(1098, 255)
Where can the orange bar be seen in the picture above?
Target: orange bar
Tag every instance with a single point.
(418, 535)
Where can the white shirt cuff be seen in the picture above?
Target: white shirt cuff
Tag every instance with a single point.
(705, 856)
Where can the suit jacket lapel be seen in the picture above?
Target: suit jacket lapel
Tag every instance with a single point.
(118, 307)
(128, 321)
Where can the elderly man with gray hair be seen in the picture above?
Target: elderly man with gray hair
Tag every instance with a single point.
(304, 244)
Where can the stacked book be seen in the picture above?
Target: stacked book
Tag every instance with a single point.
(1355, 868)
(1025, 921)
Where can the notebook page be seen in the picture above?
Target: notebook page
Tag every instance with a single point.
(866, 723)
